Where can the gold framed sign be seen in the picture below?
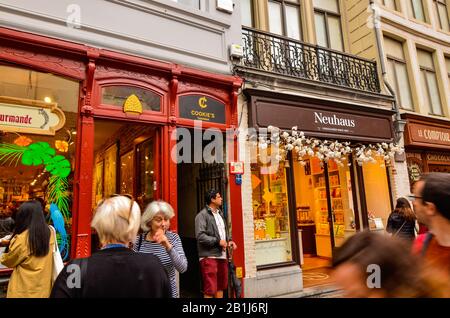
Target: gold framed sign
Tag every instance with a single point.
(30, 116)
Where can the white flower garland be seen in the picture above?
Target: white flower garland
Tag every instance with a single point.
(325, 150)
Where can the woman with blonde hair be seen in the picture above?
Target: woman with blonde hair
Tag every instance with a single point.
(115, 271)
(156, 239)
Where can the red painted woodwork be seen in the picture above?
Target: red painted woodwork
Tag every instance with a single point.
(99, 67)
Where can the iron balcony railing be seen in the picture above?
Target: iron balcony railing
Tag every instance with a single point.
(272, 53)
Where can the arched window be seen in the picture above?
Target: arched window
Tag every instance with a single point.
(118, 94)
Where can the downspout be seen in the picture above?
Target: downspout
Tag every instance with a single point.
(399, 124)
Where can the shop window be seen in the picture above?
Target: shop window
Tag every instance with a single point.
(377, 194)
(441, 11)
(118, 95)
(285, 18)
(38, 120)
(247, 13)
(415, 9)
(429, 82)
(328, 24)
(397, 72)
(271, 214)
(314, 196)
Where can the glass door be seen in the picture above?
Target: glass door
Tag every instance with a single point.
(325, 205)
(341, 216)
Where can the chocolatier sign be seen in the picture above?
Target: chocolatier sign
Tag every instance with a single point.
(324, 121)
(429, 135)
(200, 107)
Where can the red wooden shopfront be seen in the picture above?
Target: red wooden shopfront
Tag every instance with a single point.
(96, 68)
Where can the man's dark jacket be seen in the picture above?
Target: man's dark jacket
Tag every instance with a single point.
(207, 233)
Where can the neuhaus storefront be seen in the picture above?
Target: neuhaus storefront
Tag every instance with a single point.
(308, 206)
(103, 122)
(427, 145)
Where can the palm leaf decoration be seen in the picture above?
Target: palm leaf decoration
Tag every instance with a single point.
(10, 154)
(41, 153)
(57, 193)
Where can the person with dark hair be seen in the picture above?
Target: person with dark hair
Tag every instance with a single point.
(402, 220)
(213, 239)
(371, 265)
(30, 254)
(432, 207)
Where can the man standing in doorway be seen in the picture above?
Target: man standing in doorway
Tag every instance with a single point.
(432, 207)
(212, 235)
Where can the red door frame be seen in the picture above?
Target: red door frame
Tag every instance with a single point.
(84, 63)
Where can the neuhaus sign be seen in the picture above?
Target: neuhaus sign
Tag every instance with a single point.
(324, 120)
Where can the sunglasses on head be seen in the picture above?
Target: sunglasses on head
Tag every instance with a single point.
(129, 196)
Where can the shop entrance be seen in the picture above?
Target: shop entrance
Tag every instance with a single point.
(126, 161)
(194, 179)
(325, 213)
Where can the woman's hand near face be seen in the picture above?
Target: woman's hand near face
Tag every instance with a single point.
(161, 238)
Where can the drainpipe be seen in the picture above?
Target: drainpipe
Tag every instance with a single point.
(399, 124)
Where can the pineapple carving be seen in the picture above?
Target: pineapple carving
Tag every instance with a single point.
(132, 105)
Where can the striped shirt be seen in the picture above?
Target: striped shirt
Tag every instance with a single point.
(172, 260)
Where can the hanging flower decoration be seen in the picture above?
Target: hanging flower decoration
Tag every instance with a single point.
(324, 150)
(23, 141)
(62, 145)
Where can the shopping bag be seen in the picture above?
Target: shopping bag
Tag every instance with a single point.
(58, 264)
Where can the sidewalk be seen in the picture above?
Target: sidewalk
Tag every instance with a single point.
(323, 291)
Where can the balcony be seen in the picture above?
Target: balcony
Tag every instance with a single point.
(279, 55)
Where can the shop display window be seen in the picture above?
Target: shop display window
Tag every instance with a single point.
(38, 121)
(377, 194)
(271, 214)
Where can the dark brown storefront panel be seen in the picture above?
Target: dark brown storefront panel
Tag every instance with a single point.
(324, 121)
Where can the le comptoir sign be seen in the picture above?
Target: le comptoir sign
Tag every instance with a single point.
(30, 116)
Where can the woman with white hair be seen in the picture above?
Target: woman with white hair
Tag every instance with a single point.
(156, 239)
(115, 271)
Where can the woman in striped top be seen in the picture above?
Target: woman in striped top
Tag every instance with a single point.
(156, 239)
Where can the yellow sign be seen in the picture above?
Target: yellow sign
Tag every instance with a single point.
(132, 105)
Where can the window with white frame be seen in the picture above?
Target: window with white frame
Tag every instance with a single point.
(415, 9)
(429, 82)
(397, 72)
(328, 24)
(441, 11)
(285, 18)
(247, 12)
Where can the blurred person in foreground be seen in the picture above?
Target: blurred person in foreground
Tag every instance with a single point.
(115, 271)
(432, 207)
(372, 265)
